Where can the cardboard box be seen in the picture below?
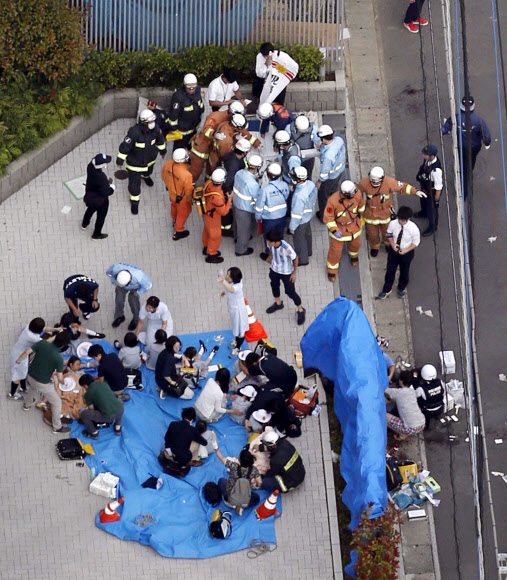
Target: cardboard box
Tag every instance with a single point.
(447, 362)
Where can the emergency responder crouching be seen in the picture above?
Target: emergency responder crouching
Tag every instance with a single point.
(304, 135)
(178, 181)
(143, 142)
(185, 111)
(289, 154)
(332, 165)
(379, 189)
(246, 190)
(286, 470)
(280, 116)
(217, 205)
(342, 217)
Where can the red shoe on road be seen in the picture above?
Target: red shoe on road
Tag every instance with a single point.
(411, 27)
(420, 21)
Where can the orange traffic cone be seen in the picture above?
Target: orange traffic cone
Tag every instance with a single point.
(109, 513)
(256, 330)
(268, 508)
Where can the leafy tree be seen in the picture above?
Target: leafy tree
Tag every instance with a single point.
(43, 39)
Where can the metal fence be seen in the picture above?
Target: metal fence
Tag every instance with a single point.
(172, 24)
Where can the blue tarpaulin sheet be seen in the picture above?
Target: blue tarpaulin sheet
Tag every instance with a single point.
(341, 345)
(179, 528)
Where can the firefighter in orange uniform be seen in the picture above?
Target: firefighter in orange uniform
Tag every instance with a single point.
(202, 143)
(225, 140)
(178, 181)
(343, 220)
(217, 205)
(379, 189)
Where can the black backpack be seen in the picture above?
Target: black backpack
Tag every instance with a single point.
(220, 526)
(393, 476)
(69, 449)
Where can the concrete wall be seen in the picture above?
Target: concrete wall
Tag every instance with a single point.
(325, 96)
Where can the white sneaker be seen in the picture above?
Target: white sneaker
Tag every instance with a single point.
(162, 394)
(234, 353)
(232, 344)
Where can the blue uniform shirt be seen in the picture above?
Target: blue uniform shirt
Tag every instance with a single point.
(332, 159)
(246, 189)
(272, 201)
(139, 282)
(478, 132)
(303, 204)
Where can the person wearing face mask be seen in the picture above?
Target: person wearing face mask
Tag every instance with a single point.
(140, 148)
(186, 110)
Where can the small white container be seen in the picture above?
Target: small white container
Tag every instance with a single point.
(447, 362)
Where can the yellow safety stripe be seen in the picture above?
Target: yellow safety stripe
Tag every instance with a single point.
(137, 169)
(332, 266)
(152, 163)
(153, 141)
(199, 102)
(361, 209)
(281, 484)
(140, 145)
(409, 190)
(199, 154)
(353, 254)
(342, 239)
(189, 108)
(209, 131)
(173, 123)
(161, 147)
(122, 156)
(377, 222)
(135, 197)
(226, 227)
(187, 132)
(253, 139)
(357, 234)
(291, 461)
(331, 225)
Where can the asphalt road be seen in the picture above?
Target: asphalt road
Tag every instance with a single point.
(414, 119)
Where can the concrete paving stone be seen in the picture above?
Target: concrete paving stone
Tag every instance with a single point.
(54, 247)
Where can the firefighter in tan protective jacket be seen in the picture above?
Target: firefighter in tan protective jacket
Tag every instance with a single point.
(179, 184)
(379, 189)
(342, 217)
(202, 143)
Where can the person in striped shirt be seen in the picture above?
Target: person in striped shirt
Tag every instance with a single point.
(284, 262)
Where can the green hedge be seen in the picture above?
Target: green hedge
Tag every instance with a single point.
(31, 112)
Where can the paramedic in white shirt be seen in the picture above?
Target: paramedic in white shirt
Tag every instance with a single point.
(404, 236)
(222, 89)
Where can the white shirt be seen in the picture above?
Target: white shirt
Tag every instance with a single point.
(408, 408)
(411, 233)
(220, 91)
(436, 176)
(211, 399)
(261, 68)
(161, 314)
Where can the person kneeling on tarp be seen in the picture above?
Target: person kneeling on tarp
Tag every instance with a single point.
(182, 440)
(286, 470)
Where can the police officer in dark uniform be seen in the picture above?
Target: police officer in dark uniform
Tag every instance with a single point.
(144, 141)
(185, 111)
(472, 133)
(304, 135)
(430, 393)
(98, 188)
(429, 177)
(286, 471)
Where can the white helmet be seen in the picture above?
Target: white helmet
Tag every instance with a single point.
(254, 162)
(282, 138)
(376, 176)
(238, 121)
(123, 278)
(298, 174)
(302, 123)
(236, 107)
(348, 188)
(147, 116)
(274, 170)
(180, 155)
(218, 176)
(428, 372)
(243, 145)
(270, 438)
(190, 81)
(265, 111)
(325, 131)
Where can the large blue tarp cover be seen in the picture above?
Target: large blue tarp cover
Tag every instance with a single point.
(179, 528)
(341, 345)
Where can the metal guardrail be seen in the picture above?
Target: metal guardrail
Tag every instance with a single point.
(172, 24)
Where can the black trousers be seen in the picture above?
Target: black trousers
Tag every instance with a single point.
(393, 261)
(414, 11)
(430, 210)
(289, 287)
(86, 306)
(135, 182)
(101, 217)
(475, 152)
(325, 190)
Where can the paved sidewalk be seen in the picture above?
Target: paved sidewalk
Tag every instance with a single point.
(46, 509)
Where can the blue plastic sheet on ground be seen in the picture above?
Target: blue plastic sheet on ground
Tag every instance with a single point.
(179, 528)
(341, 345)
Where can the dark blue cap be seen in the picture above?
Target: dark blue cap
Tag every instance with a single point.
(101, 159)
(430, 150)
